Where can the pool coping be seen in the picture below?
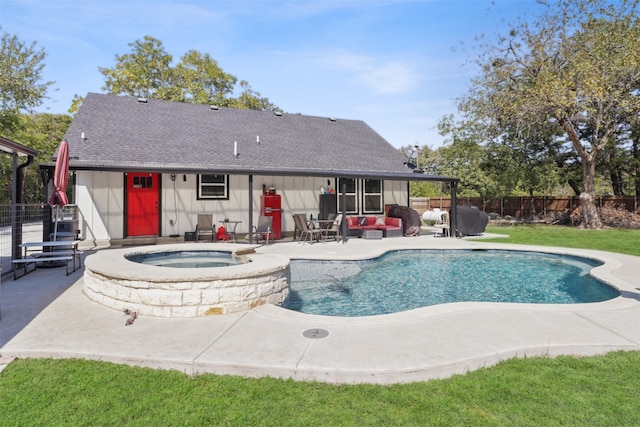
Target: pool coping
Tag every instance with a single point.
(415, 345)
(113, 263)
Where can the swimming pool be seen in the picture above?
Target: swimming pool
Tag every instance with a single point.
(407, 279)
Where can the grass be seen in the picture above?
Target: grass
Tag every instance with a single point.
(590, 391)
(612, 240)
(594, 391)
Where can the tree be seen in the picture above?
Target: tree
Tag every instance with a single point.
(21, 86)
(422, 162)
(635, 153)
(145, 72)
(252, 100)
(43, 133)
(464, 156)
(614, 161)
(531, 163)
(197, 78)
(576, 69)
(200, 80)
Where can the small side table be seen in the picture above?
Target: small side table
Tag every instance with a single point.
(371, 234)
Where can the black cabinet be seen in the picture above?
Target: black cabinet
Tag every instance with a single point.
(328, 205)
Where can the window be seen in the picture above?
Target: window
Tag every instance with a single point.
(213, 187)
(142, 182)
(372, 196)
(351, 195)
(366, 193)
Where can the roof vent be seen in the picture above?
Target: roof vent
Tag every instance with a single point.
(278, 113)
(142, 100)
(213, 107)
(333, 119)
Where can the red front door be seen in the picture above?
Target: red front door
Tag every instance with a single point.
(142, 204)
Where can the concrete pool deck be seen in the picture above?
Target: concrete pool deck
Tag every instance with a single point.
(45, 314)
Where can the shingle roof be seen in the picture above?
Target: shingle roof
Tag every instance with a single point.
(12, 147)
(121, 133)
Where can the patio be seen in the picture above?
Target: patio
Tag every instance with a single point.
(52, 318)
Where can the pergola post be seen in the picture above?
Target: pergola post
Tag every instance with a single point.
(16, 230)
(454, 210)
(343, 195)
(250, 209)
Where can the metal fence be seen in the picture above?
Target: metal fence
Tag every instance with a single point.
(20, 223)
(523, 206)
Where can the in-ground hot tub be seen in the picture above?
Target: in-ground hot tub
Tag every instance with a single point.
(113, 280)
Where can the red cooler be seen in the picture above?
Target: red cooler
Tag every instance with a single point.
(270, 206)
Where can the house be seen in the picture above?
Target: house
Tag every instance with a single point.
(146, 167)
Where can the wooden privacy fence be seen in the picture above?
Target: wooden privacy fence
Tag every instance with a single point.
(523, 206)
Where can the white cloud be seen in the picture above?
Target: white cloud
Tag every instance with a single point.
(382, 75)
(391, 78)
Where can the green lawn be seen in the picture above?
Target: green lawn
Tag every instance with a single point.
(566, 391)
(612, 240)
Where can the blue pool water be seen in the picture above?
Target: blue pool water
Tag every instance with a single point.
(403, 280)
(186, 259)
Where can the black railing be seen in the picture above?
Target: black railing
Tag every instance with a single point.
(18, 224)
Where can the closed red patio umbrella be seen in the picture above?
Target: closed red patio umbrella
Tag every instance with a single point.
(60, 180)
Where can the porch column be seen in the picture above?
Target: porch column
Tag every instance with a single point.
(343, 196)
(15, 238)
(454, 210)
(251, 209)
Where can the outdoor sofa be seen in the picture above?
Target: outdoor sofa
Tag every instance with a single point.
(390, 227)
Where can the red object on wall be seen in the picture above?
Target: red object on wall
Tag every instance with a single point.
(270, 206)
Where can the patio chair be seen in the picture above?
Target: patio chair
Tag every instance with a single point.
(335, 228)
(205, 226)
(297, 219)
(309, 232)
(444, 224)
(263, 229)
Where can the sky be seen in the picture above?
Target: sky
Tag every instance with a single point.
(398, 65)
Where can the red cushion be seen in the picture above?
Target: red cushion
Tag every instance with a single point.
(394, 222)
(390, 223)
(352, 221)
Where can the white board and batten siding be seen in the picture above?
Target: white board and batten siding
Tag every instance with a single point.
(100, 200)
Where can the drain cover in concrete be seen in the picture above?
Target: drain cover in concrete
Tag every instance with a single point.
(316, 333)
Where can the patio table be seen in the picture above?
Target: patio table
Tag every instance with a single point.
(230, 230)
(319, 224)
(60, 250)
